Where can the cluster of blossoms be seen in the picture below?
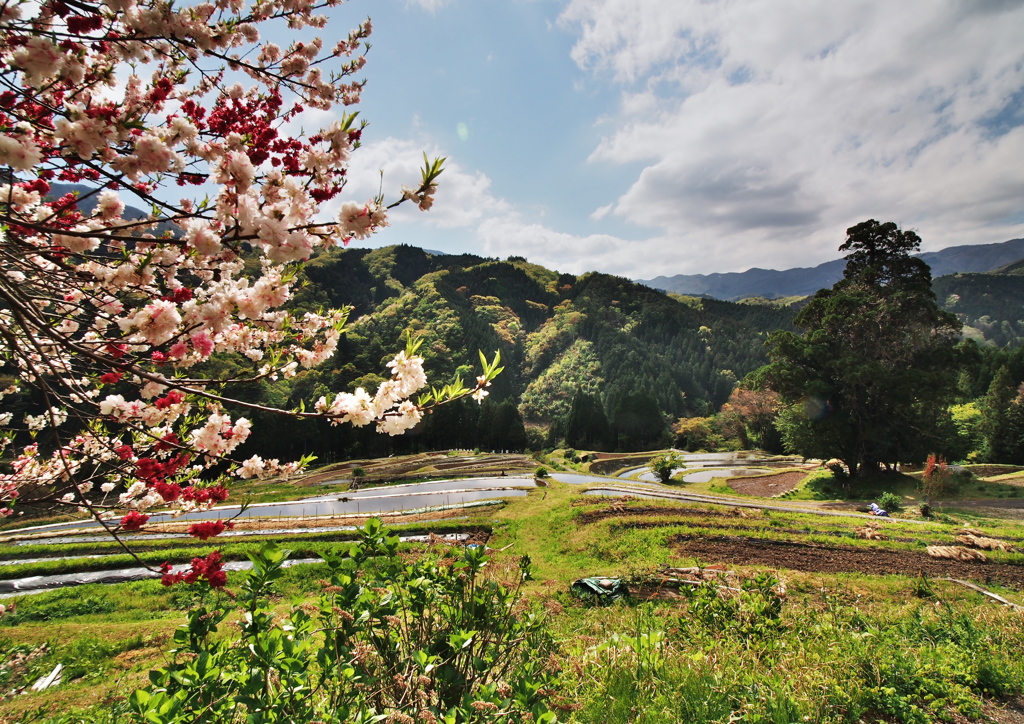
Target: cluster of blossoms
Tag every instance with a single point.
(106, 312)
(390, 407)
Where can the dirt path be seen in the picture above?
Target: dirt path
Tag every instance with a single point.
(840, 559)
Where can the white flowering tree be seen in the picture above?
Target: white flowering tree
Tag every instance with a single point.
(108, 317)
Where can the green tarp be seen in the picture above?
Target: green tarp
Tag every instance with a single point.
(603, 590)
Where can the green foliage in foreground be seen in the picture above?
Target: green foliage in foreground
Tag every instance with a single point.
(745, 656)
(433, 641)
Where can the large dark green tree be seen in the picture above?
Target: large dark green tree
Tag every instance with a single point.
(1002, 422)
(586, 426)
(869, 377)
(638, 424)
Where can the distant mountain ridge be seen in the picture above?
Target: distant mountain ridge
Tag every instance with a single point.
(772, 284)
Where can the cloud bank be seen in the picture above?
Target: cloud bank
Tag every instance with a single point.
(769, 127)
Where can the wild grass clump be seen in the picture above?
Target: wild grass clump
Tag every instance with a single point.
(83, 659)
(66, 605)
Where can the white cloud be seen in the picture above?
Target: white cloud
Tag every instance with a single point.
(463, 198)
(467, 208)
(767, 127)
(509, 235)
(429, 5)
(637, 259)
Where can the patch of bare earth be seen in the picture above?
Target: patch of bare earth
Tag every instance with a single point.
(767, 486)
(843, 559)
(1006, 712)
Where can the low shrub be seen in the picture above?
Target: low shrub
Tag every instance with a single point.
(437, 639)
(890, 501)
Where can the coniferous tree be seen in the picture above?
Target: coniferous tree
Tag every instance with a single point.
(870, 378)
(1015, 429)
(995, 408)
(638, 423)
(507, 430)
(587, 426)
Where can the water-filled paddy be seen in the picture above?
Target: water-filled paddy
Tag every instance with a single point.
(385, 499)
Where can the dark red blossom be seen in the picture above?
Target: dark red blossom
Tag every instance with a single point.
(195, 179)
(214, 494)
(111, 378)
(167, 442)
(124, 452)
(79, 24)
(195, 113)
(179, 295)
(325, 194)
(168, 491)
(173, 397)
(210, 569)
(116, 350)
(38, 185)
(134, 520)
(106, 111)
(158, 356)
(210, 529)
(153, 471)
(161, 91)
(77, 174)
(66, 202)
(149, 469)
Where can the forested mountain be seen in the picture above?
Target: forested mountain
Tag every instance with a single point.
(991, 306)
(591, 361)
(771, 284)
(642, 356)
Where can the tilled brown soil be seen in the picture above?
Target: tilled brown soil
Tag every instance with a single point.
(767, 486)
(839, 559)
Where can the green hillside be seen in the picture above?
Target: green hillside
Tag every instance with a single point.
(990, 305)
(634, 349)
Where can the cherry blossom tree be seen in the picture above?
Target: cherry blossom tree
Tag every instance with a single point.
(111, 318)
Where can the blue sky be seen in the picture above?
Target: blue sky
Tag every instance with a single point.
(648, 137)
